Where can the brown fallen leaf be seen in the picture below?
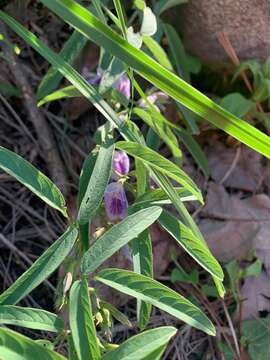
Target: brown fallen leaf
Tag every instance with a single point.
(233, 227)
(239, 168)
(255, 293)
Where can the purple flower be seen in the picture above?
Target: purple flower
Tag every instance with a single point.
(123, 85)
(156, 97)
(95, 79)
(116, 203)
(121, 163)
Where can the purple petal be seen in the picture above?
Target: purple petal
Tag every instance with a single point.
(121, 163)
(93, 78)
(123, 86)
(158, 96)
(116, 203)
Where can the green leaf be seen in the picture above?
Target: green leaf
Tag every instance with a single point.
(256, 335)
(253, 269)
(117, 236)
(85, 176)
(81, 322)
(118, 315)
(95, 30)
(14, 346)
(152, 118)
(159, 295)
(86, 172)
(9, 90)
(44, 266)
(159, 197)
(138, 347)
(30, 318)
(142, 253)
(158, 162)
(182, 276)
(32, 178)
(177, 51)
(52, 79)
(157, 354)
(97, 183)
(163, 5)
(237, 104)
(143, 264)
(192, 244)
(65, 92)
(157, 51)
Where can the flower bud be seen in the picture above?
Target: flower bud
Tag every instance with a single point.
(121, 163)
(123, 85)
(116, 203)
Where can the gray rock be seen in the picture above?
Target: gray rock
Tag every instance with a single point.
(246, 22)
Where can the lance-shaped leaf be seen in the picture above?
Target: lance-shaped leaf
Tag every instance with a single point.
(140, 346)
(14, 346)
(32, 178)
(63, 93)
(192, 244)
(97, 183)
(81, 322)
(157, 161)
(117, 236)
(44, 266)
(143, 264)
(159, 197)
(30, 318)
(157, 294)
(85, 22)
